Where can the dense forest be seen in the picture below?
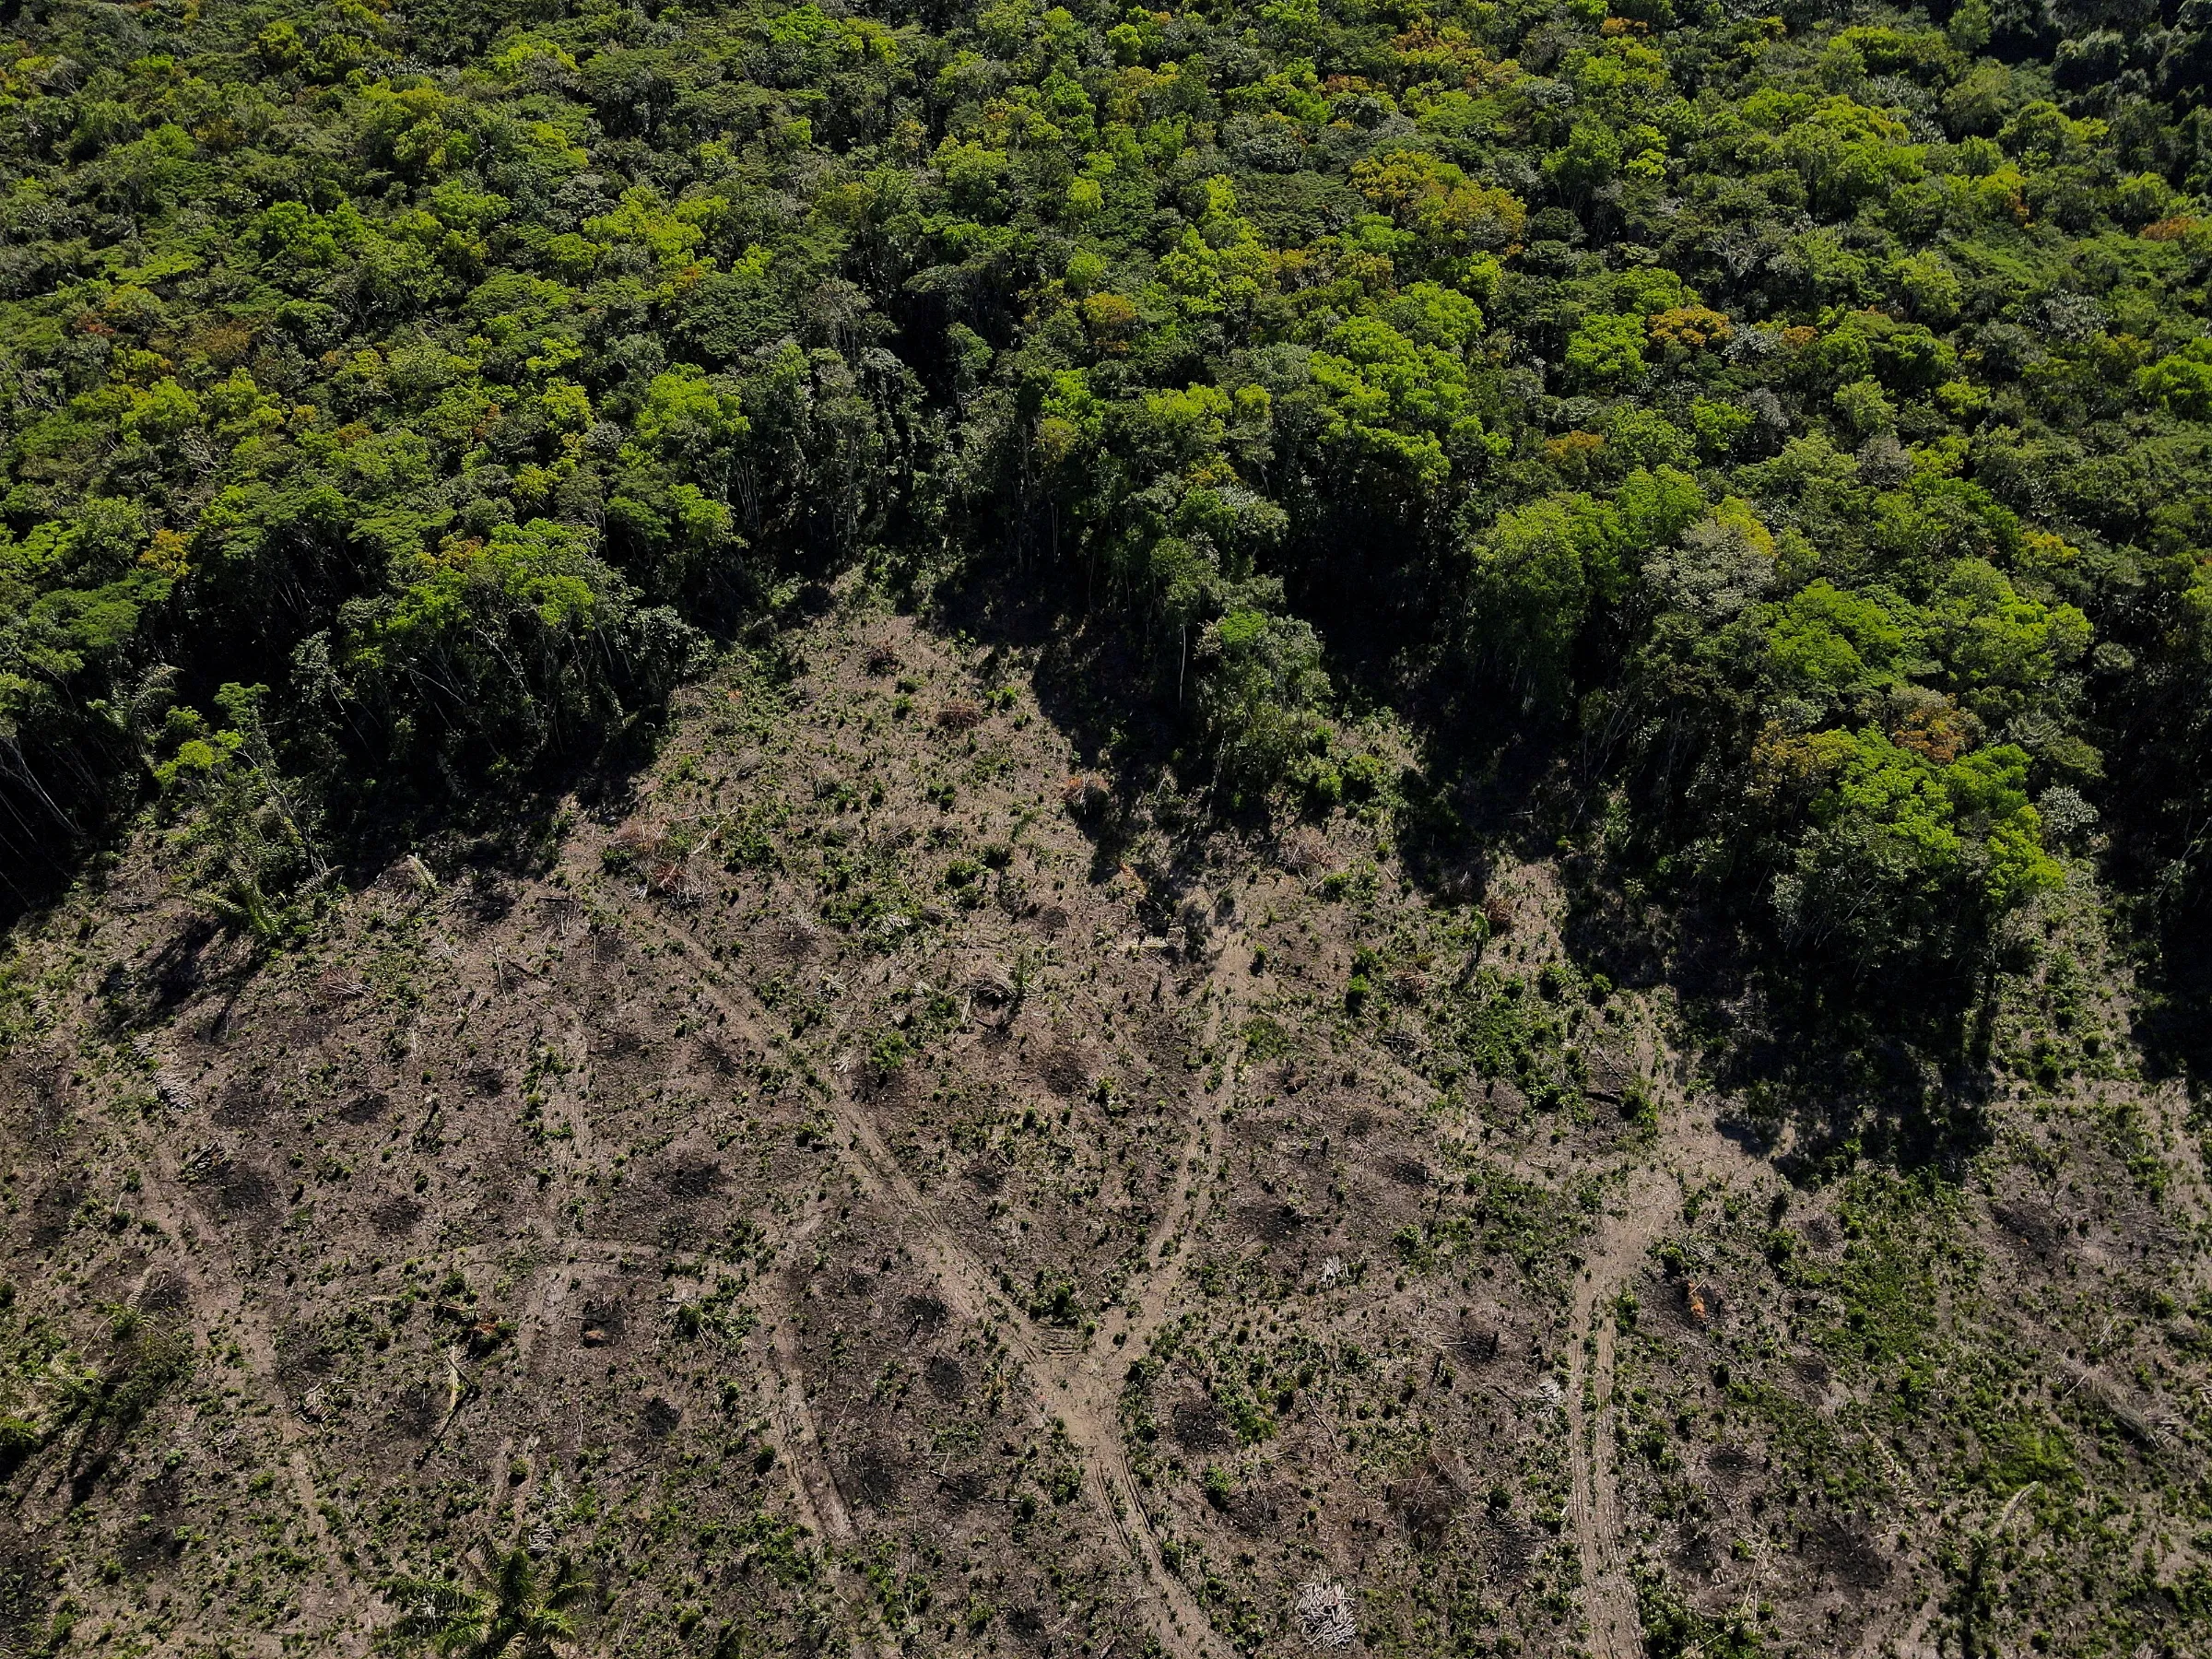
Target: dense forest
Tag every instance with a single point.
(1756, 467)
(1792, 427)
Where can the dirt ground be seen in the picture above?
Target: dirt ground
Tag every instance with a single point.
(880, 1190)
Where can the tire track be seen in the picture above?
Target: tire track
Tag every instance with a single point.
(1609, 1595)
(794, 1432)
(1092, 1408)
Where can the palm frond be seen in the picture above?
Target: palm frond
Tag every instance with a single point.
(436, 1611)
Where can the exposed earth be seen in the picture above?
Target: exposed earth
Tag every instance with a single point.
(874, 1187)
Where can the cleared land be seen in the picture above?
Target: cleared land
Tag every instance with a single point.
(875, 1189)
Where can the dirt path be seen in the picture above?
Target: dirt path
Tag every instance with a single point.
(794, 1433)
(965, 1282)
(1686, 1152)
(1088, 1382)
(792, 1429)
(1652, 1201)
(1078, 1386)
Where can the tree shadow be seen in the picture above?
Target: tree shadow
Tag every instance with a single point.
(1098, 684)
(1818, 1063)
(2173, 1021)
(1822, 1082)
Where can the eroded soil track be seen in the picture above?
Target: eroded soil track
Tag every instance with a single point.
(1624, 1237)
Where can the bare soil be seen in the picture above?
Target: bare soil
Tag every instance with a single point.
(860, 1192)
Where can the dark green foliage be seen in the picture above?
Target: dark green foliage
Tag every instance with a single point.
(492, 653)
(1501, 1027)
(241, 821)
(1675, 1630)
(1801, 428)
(520, 1611)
